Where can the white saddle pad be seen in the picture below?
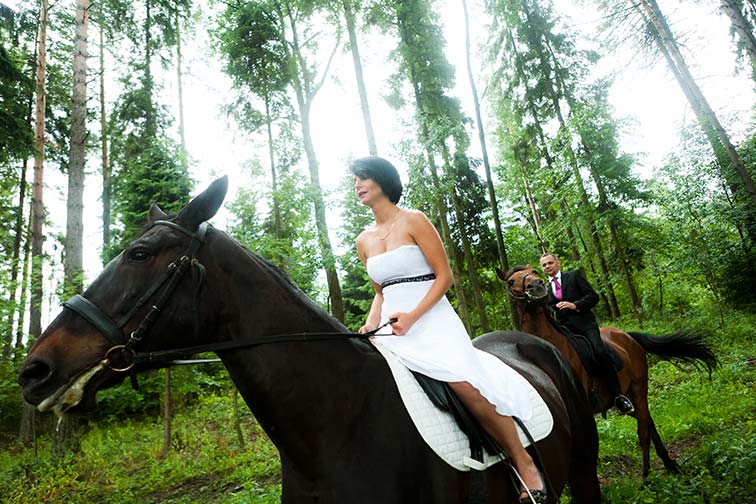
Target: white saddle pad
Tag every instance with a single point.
(439, 429)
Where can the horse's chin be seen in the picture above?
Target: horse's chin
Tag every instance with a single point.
(78, 395)
(538, 295)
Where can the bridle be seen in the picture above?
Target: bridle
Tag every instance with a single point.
(122, 356)
(525, 295)
(123, 346)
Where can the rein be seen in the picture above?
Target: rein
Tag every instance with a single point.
(169, 356)
(121, 357)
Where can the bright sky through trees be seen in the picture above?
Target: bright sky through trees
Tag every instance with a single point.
(644, 92)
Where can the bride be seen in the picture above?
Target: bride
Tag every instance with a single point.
(410, 273)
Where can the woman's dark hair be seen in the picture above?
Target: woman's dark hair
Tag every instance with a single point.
(382, 172)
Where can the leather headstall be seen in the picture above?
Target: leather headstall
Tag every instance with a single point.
(121, 356)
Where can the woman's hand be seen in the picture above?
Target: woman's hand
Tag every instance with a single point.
(403, 323)
(366, 328)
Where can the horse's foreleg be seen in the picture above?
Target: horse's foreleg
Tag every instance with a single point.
(669, 463)
(583, 480)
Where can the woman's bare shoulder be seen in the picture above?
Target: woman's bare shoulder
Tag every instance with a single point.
(415, 215)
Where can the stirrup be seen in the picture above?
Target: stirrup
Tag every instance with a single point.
(623, 404)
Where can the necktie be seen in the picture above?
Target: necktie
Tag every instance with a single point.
(557, 288)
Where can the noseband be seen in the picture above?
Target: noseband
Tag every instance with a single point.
(526, 295)
(123, 347)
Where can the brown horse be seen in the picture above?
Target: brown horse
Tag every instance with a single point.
(531, 294)
(324, 396)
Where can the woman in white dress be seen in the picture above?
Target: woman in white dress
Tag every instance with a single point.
(410, 273)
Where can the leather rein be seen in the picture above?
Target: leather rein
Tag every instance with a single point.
(121, 357)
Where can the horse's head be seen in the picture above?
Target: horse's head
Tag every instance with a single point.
(151, 288)
(523, 283)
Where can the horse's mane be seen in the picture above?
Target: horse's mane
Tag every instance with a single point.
(282, 278)
(514, 270)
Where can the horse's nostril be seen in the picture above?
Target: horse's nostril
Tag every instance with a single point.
(34, 371)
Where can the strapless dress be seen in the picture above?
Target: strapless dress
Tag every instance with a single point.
(438, 345)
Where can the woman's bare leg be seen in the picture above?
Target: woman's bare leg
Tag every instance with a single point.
(502, 428)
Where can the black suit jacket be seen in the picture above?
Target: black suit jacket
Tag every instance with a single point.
(576, 289)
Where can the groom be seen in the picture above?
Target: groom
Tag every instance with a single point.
(572, 298)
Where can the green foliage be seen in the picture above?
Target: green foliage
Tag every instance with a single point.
(119, 462)
(10, 397)
(293, 247)
(708, 425)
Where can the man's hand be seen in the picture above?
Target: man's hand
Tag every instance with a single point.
(566, 305)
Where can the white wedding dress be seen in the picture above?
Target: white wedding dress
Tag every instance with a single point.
(438, 345)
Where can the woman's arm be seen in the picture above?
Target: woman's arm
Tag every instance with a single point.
(374, 316)
(427, 238)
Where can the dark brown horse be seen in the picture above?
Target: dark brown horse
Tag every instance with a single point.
(325, 398)
(531, 294)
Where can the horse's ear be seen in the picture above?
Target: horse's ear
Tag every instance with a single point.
(156, 213)
(501, 274)
(204, 206)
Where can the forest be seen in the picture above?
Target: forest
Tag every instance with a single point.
(508, 139)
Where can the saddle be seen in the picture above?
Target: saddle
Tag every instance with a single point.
(448, 429)
(585, 349)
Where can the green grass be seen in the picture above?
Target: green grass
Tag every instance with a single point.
(709, 426)
(120, 462)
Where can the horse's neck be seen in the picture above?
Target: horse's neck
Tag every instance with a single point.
(534, 321)
(300, 392)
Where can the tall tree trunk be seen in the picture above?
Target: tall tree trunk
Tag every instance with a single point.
(451, 248)
(744, 30)
(19, 232)
(471, 268)
(364, 104)
(27, 429)
(305, 95)
(104, 156)
(180, 88)
(65, 436)
(277, 230)
(706, 116)
(73, 263)
(150, 125)
(25, 280)
(501, 249)
(237, 421)
(35, 312)
(167, 414)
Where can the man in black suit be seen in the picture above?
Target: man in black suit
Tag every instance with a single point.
(572, 298)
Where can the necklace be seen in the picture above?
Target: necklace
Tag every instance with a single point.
(391, 228)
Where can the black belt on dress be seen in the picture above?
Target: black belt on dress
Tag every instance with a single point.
(420, 278)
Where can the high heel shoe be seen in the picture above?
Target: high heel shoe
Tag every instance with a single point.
(539, 496)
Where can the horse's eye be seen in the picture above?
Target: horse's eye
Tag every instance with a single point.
(139, 255)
